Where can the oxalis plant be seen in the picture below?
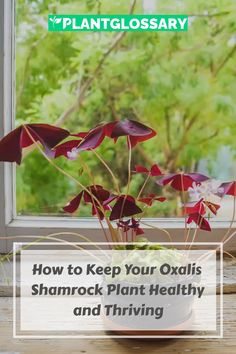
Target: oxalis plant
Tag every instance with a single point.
(120, 214)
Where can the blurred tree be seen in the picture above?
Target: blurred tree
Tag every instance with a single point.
(181, 84)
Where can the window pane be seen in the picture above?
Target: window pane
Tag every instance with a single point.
(180, 84)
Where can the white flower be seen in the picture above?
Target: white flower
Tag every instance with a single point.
(73, 154)
(204, 190)
(195, 192)
(220, 190)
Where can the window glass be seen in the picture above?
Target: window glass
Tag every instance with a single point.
(181, 84)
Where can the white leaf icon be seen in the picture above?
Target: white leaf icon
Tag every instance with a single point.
(58, 20)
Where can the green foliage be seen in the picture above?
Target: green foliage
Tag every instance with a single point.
(181, 84)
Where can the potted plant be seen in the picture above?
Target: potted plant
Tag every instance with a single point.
(119, 212)
(178, 309)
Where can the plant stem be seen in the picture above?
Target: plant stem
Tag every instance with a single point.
(129, 165)
(225, 240)
(229, 254)
(144, 185)
(195, 232)
(92, 197)
(194, 236)
(116, 184)
(157, 228)
(100, 221)
(129, 177)
(232, 221)
(49, 237)
(229, 238)
(183, 196)
(188, 233)
(119, 233)
(86, 167)
(111, 229)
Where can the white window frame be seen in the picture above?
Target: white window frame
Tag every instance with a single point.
(13, 225)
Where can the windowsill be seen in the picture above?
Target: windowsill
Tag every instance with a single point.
(92, 223)
(21, 228)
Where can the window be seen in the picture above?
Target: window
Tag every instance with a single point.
(180, 84)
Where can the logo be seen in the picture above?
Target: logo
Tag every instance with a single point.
(117, 23)
(55, 20)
